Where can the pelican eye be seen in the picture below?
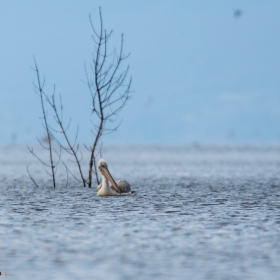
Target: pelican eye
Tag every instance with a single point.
(102, 165)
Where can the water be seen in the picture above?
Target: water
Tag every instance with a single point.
(198, 213)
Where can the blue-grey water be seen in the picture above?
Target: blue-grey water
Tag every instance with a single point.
(197, 213)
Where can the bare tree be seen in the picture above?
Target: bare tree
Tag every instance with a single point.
(48, 145)
(109, 87)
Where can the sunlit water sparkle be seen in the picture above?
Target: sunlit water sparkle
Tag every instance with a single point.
(198, 213)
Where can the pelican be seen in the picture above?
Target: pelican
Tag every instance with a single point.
(115, 187)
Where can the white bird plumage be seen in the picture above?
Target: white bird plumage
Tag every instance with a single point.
(109, 186)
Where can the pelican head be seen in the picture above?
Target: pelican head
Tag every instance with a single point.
(103, 168)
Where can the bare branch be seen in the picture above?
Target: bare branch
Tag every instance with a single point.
(32, 178)
(39, 89)
(105, 83)
(68, 170)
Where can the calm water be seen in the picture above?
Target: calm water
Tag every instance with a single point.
(198, 213)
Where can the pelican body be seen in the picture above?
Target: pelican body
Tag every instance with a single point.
(108, 185)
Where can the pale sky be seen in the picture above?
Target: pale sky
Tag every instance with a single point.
(203, 71)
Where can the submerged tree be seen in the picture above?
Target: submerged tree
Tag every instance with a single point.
(48, 139)
(109, 86)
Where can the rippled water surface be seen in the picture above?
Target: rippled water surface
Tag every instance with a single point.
(197, 213)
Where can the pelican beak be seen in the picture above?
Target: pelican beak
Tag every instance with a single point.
(108, 175)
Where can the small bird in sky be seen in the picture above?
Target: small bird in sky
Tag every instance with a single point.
(237, 13)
